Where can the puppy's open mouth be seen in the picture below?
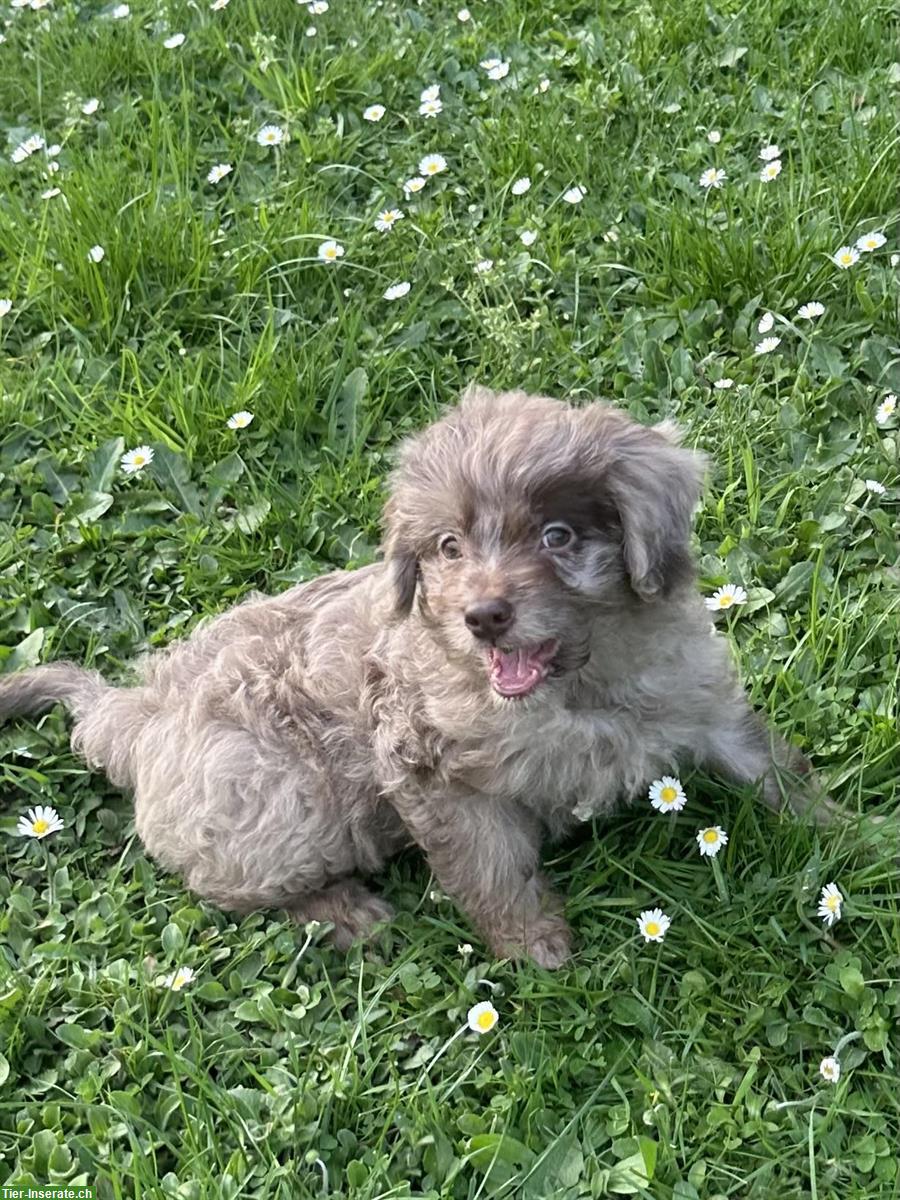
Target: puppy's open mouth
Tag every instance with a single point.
(517, 672)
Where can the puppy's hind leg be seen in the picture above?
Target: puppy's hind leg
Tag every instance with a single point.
(351, 908)
(746, 750)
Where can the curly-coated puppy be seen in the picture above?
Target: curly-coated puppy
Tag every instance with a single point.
(532, 651)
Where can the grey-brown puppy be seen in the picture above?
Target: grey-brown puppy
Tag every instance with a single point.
(533, 651)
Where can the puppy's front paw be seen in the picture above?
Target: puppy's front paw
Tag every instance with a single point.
(549, 942)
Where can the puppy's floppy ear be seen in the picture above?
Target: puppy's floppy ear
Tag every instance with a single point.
(402, 561)
(655, 485)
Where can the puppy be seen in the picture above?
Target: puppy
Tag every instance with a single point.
(531, 652)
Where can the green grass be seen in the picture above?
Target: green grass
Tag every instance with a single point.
(674, 1072)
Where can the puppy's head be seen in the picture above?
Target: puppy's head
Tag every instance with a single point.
(515, 519)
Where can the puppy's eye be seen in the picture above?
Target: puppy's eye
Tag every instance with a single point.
(557, 536)
(449, 546)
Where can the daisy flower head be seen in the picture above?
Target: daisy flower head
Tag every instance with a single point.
(542, 87)
(40, 822)
(521, 186)
(886, 409)
(311, 31)
(770, 171)
(465, 949)
(499, 71)
(711, 840)
(270, 135)
(413, 185)
(374, 112)
(870, 241)
(218, 172)
(488, 64)
(432, 92)
(34, 143)
(430, 108)
(895, 260)
(726, 597)
(712, 177)
(121, 11)
(714, 137)
(575, 195)
(19, 154)
(872, 485)
(317, 7)
(653, 924)
(50, 193)
(484, 265)
(482, 1018)
(5, 307)
(830, 1069)
(387, 219)
(766, 321)
(239, 420)
(432, 164)
(218, 5)
(397, 290)
(135, 460)
(830, 902)
(528, 237)
(90, 106)
(767, 345)
(330, 251)
(810, 311)
(667, 794)
(846, 257)
(96, 254)
(173, 42)
(769, 153)
(723, 384)
(464, 15)
(179, 979)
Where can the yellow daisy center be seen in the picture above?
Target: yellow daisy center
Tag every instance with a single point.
(668, 795)
(40, 825)
(710, 836)
(485, 1020)
(652, 928)
(846, 258)
(832, 903)
(725, 601)
(139, 460)
(331, 252)
(179, 981)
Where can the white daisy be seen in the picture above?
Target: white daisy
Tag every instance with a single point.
(413, 185)
(121, 11)
(173, 42)
(521, 186)
(770, 171)
(317, 7)
(810, 311)
(886, 409)
(311, 31)
(430, 108)
(830, 1069)
(270, 135)
(488, 64)
(611, 235)
(653, 924)
(845, 257)
(870, 241)
(711, 840)
(432, 92)
(397, 290)
(482, 1017)
(712, 177)
(52, 167)
(724, 384)
(387, 219)
(177, 980)
(5, 307)
(239, 420)
(465, 949)
(52, 151)
(374, 112)
(528, 237)
(96, 254)
(217, 173)
(714, 137)
(895, 260)
(40, 822)
(767, 345)
(90, 106)
(766, 321)
(575, 195)
(135, 460)
(330, 251)
(768, 153)
(500, 71)
(463, 15)
(19, 154)
(432, 164)
(830, 902)
(218, 5)
(726, 597)
(50, 193)
(667, 794)
(872, 485)
(542, 87)
(484, 265)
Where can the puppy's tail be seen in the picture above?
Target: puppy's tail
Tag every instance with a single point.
(39, 688)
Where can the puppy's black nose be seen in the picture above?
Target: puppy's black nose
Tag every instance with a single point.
(489, 618)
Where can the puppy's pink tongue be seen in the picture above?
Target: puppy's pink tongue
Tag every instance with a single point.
(516, 672)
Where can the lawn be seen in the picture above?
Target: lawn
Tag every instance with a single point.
(150, 301)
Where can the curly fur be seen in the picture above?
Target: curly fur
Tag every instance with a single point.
(298, 740)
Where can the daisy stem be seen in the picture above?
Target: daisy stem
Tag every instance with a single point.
(720, 881)
(443, 1050)
(49, 876)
